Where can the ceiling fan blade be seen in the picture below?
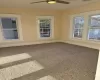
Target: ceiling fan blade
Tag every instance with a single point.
(37, 2)
(63, 2)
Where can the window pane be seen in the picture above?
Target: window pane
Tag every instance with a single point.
(78, 22)
(94, 34)
(78, 30)
(78, 27)
(45, 35)
(45, 23)
(95, 21)
(42, 25)
(78, 35)
(10, 34)
(8, 23)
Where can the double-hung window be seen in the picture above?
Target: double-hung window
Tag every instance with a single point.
(45, 26)
(86, 26)
(94, 27)
(9, 28)
(78, 27)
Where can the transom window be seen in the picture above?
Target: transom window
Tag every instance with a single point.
(78, 27)
(94, 27)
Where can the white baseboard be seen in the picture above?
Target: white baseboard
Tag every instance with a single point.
(97, 76)
(22, 43)
(93, 45)
(11, 44)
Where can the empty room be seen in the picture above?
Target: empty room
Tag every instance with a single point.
(49, 39)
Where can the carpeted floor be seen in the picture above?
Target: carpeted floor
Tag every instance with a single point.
(54, 61)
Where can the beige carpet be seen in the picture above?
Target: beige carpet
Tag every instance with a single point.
(55, 61)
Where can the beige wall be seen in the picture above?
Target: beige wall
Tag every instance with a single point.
(61, 25)
(28, 21)
(66, 24)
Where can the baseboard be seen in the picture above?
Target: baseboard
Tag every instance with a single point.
(80, 44)
(11, 44)
(26, 43)
(97, 76)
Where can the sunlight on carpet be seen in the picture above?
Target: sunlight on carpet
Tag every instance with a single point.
(17, 71)
(12, 58)
(47, 78)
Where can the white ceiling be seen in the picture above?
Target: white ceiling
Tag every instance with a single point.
(26, 4)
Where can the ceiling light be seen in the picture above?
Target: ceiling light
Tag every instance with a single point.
(52, 1)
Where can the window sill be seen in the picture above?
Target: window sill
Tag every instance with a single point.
(76, 39)
(93, 40)
(46, 38)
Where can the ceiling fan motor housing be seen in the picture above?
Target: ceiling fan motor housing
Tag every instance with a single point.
(51, 0)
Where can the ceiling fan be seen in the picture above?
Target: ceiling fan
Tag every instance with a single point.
(52, 2)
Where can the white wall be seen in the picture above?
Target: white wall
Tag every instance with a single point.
(97, 77)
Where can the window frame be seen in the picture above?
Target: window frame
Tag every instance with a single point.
(89, 27)
(77, 28)
(18, 27)
(72, 17)
(51, 28)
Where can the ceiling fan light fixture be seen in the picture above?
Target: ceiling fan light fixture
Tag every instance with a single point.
(51, 1)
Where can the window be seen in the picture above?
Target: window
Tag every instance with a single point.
(45, 27)
(9, 28)
(94, 28)
(78, 27)
(85, 27)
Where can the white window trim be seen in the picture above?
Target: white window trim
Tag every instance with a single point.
(52, 26)
(90, 14)
(86, 27)
(89, 27)
(19, 28)
(71, 36)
